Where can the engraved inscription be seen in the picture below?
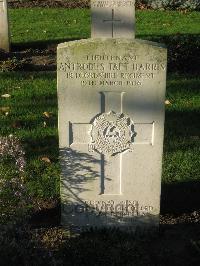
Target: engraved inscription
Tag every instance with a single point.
(112, 3)
(110, 70)
(120, 209)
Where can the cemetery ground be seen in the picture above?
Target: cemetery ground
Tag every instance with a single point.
(30, 233)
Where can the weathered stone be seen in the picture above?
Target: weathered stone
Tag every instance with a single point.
(4, 27)
(111, 95)
(113, 19)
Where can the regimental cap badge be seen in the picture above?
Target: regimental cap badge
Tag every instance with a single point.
(111, 133)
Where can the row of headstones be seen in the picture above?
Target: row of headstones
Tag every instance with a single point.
(111, 91)
(120, 18)
(4, 27)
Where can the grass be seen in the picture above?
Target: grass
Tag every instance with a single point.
(31, 96)
(182, 130)
(39, 24)
(49, 24)
(166, 23)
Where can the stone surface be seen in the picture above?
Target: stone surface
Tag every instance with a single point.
(4, 27)
(111, 95)
(113, 19)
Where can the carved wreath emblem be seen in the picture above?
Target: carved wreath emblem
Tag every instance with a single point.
(111, 133)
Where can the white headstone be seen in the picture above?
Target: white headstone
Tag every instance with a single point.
(111, 120)
(4, 28)
(113, 19)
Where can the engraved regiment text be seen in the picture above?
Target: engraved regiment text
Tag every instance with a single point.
(111, 3)
(110, 70)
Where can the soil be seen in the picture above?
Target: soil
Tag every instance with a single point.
(29, 58)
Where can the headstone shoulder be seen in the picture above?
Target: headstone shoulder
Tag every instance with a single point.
(113, 41)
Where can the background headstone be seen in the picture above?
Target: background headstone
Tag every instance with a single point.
(113, 19)
(4, 27)
(111, 96)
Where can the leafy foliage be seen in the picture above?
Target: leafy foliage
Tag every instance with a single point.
(14, 197)
(140, 4)
(171, 4)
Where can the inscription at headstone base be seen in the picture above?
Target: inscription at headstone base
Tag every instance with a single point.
(113, 19)
(111, 96)
(4, 28)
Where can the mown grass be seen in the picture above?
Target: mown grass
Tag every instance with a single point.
(181, 146)
(39, 24)
(31, 96)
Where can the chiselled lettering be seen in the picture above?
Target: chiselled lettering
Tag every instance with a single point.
(111, 4)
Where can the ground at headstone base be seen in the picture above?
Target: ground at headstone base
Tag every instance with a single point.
(176, 243)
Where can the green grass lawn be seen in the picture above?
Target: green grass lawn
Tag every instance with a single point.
(31, 96)
(39, 24)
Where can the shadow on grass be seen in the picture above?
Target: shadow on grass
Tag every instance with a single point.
(46, 146)
(42, 44)
(173, 245)
(176, 245)
(107, 247)
(181, 124)
(47, 217)
(178, 198)
(183, 51)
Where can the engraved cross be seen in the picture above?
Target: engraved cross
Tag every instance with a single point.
(113, 21)
(111, 166)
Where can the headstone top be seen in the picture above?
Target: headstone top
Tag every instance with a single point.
(113, 19)
(4, 28)
(113, 42)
